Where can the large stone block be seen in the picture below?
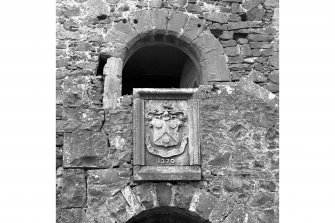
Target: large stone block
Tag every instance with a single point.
(85, 149)
(83, 119)
(73, 189)
(102, 185)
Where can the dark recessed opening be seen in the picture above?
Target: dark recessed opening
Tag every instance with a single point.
(135, 21)
(243, 17)
(102, 17)
(237, 36)
(124, 20)
(158, 66)
(167, 215)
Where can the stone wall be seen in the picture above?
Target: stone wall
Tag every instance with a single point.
(239, 150)
(239, 123)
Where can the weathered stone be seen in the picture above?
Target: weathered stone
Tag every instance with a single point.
(164, 194)
(271, 3)
(256, 14)
(145, 194)
(239, 215)
(221, 210)
(274, 76)
(255, 52)
(84, 119)
(117, 177)
(272, 87)
(236, 59)
(74, 215)
(192, 29)
(62, 62)
(183, 195)
(260, 38)
(242, 41)
(85, 149)
(118, 207)
(236, 76)
(135, 206)
(226, 35)
(274, 60)
(194, 8)
(236, 8)
(228, 43)
(112, 87)
(177, 3)
(260, 45)
(83, 46)
(234, 18)
(215, 17)
(268, 216)
(250, 4)
(242, 25)
(245, 50)
(71, 11)
(275, 18)
(262, 200)
(97, 8)
(257, 77)
(206, 203)
(176, 22)
(232, 51)
(74, 188)
(267, 52)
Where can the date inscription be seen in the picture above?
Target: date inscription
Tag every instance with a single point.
(164, 161)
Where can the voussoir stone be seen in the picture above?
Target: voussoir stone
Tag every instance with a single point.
(85, 149)
(74, 188)
(145, 194)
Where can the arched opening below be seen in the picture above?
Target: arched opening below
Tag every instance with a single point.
(159, 66)
(167, 215)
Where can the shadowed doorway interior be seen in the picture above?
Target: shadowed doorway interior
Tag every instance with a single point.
(159, 66)
(167, 215)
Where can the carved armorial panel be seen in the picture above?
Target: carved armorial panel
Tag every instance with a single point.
(166, 134)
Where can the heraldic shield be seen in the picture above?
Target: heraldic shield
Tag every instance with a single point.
(166, 137)
(166, 134)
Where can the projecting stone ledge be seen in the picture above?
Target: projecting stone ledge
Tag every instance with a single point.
(167, 173)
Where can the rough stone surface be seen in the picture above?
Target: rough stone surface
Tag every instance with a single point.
(233, 40)
(85, 149)
(75, 215)
(73, 188)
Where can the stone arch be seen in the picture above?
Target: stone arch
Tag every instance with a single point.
(186, 32)
(167, 214)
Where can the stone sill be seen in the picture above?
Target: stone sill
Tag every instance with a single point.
(167, 173)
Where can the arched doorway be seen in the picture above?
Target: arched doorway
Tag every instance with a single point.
(159, 66)
(167, 215)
